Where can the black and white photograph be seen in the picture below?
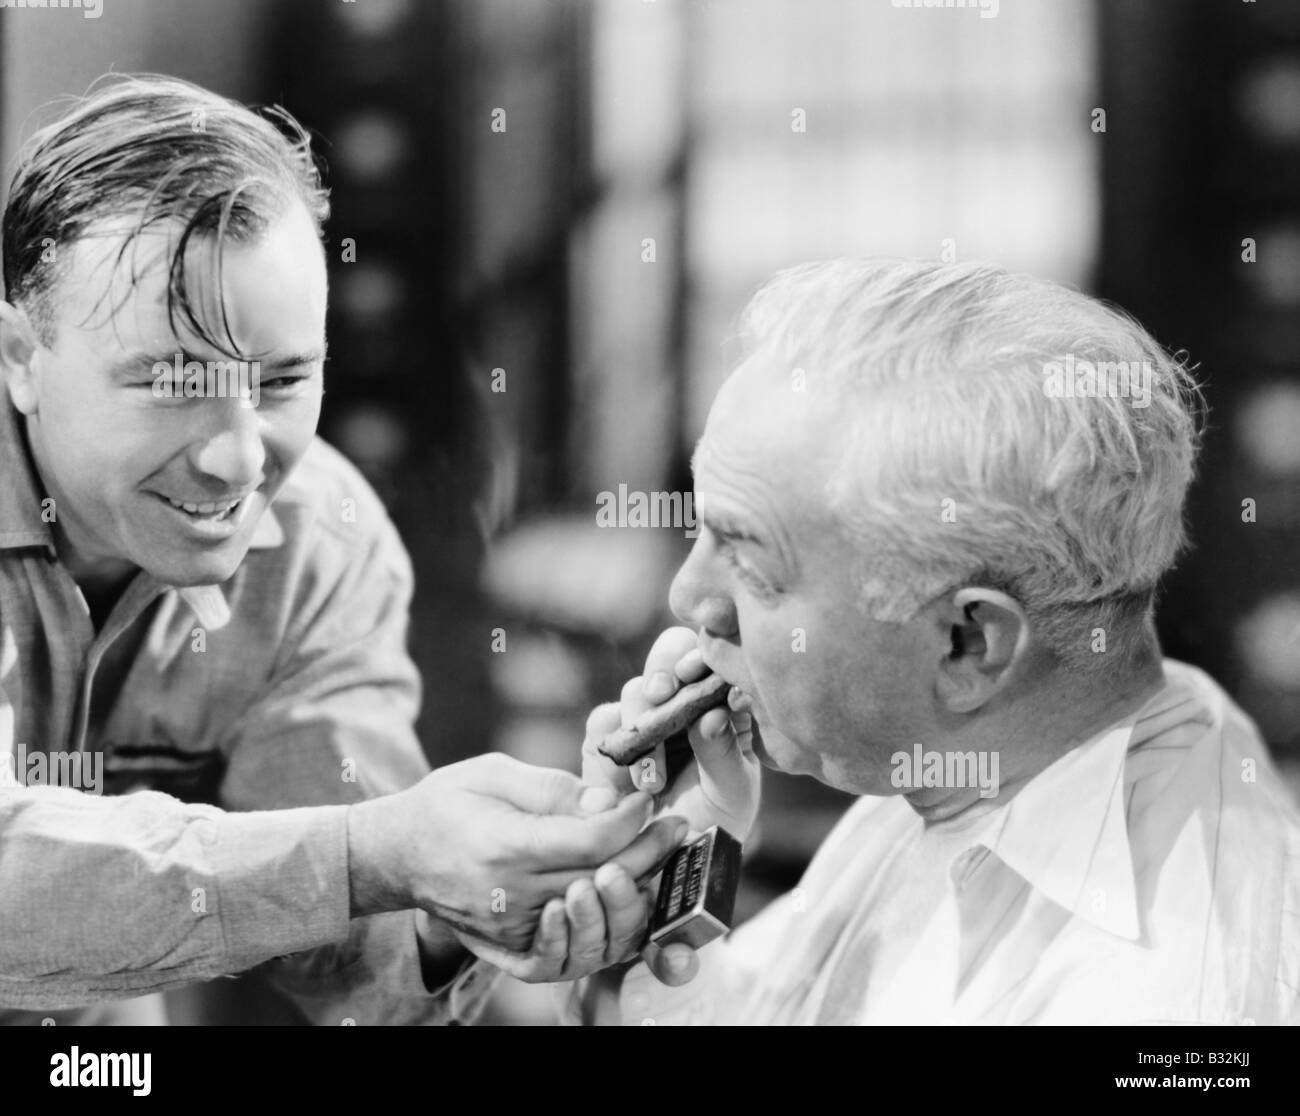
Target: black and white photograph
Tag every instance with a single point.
(541, 513)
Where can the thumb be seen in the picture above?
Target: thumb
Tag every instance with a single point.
(729, 775)
(599, 770)
(672, 965)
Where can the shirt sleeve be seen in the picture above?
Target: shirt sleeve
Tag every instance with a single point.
(103, 898)
(335, 724)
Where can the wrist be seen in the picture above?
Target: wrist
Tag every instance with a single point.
(375, 882)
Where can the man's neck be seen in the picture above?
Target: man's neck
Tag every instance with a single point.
(103, 594)
(101, 583)
(1067, 712)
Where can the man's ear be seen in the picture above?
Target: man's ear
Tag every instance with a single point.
(18, 349)
(989, 633)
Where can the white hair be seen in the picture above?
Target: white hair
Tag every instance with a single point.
(959, 467)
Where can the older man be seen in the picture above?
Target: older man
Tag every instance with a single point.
(936, 501)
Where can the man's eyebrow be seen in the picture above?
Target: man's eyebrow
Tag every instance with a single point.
(726, 528)
(293, 360)
(134, 362)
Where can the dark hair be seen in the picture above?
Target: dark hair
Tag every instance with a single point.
(152, 149)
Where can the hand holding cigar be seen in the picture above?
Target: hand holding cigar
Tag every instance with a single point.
(626, 745)
(713, 779)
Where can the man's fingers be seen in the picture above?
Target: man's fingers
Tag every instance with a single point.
(690, 667)
(587, 929)
(552, 939)
(543, 961)
(650, 772)
(599, 770)
(634, 699)
(602, 720)
(714, 729)
(646, 854)
(672, 965)
(527, 787)
(729, 773)
(627, 910)
(557, 841)
(668, 650)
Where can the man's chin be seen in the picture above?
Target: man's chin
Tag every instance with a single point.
(191, 571)
(777, 752)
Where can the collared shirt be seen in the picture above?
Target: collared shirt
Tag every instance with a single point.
(242, 718)
(1151, 875)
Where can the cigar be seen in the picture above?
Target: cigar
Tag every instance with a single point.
(627, 745)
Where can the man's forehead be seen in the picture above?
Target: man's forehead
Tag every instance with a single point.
(769, 441)
(118, 284)
(112, 254)
(738, 491)
(117, 289)
(763, 421)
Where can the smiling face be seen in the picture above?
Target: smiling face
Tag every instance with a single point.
(117, 458)
(770, 584)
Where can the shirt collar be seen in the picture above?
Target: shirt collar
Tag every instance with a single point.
(1066, 832)
(208, 601)
(23, 522)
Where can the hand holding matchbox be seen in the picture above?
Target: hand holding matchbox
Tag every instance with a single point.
(698, 885)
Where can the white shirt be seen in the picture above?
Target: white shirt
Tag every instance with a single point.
(1151, 875)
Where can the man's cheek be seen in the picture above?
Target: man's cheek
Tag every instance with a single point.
(300, 433)
(286, 447)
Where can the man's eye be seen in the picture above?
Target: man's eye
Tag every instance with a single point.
(286, 383)
(747, 574)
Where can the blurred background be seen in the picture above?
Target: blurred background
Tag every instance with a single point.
(557, 207)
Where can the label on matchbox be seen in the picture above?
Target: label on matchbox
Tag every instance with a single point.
(697, 892)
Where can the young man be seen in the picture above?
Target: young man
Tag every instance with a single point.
(202, 603)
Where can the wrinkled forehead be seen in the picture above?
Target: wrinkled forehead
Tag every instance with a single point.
(773, 433)
(772, 419)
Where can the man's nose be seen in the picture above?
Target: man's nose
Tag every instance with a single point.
(699, 596)
(230, 447)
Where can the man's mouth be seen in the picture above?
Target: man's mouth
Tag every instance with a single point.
(738, 700)
(207, 511)
(216, 510)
